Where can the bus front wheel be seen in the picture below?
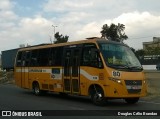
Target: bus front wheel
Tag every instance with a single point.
(36, 89)
(97, 96)
(131, 100)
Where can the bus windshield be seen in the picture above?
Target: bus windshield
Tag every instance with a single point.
(119, 57)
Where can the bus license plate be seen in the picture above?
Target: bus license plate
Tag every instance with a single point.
(134, 87)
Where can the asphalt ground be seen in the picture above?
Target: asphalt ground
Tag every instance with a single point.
(14, 98)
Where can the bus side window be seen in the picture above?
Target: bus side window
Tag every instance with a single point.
(52, 57)
(43, 57)
(23, 59)
(19, 59)
(27, 58)
(94, 58)
(34, 56)
(90, 57)
(86, 57)
(55, 57)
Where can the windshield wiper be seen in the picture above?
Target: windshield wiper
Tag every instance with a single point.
(121, 66)
(136, 67)
(127, 67)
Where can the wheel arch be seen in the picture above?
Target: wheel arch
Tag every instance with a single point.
(35, 82)
(93, 86)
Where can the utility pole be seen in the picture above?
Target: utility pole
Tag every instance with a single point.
(54, 31)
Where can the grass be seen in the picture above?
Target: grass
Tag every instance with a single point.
(6, 77)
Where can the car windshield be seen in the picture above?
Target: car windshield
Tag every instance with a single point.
(119, 56)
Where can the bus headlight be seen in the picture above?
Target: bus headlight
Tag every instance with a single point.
(119, 81)
(144, 81)
(115, 80)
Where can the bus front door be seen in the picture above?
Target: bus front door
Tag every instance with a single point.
(24, 76)
(24, 70)
(71, 70)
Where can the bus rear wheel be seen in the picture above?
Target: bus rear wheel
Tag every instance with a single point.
(131, 100)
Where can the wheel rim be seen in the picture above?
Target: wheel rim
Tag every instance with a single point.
(97, 97)
(36, 89)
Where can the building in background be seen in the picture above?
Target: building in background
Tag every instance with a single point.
(152, 44)
(0, 62)
(152, 52)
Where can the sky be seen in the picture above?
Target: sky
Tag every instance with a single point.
(29, 22)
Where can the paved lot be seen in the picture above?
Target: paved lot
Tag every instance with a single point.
(14, 98)
(153, 81)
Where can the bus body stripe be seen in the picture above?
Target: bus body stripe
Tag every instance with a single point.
(82, 72)
(87, 75)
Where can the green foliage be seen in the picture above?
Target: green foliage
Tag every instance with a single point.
(149, 51)
(139, 53)
(60, 38)
(152, 51)
(133, 49)
(114, 32)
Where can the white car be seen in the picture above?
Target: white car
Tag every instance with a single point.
(158, 66)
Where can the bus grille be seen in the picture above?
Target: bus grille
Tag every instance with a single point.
(133, 86)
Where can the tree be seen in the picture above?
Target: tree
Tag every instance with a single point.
(114, 32)
(153, 50)
(60, 38)
(140, 53)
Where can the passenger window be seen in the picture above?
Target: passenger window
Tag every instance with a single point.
(34, 56)
(55, 57)
(91, 56)
(43, 57)
(19, 59)
(27, 58)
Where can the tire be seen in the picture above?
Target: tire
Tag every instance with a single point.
(131, 100)
(36, 89)
(63, 94)
(97, 97)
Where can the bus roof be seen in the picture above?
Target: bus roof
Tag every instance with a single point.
(89, 40)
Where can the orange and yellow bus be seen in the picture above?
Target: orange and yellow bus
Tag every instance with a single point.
(94, 67)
